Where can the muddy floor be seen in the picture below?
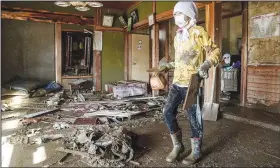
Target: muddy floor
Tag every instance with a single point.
(226, 144)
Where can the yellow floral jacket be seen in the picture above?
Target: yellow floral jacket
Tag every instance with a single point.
(190, 54)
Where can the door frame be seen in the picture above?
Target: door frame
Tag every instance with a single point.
(244, 54)
(128, 55)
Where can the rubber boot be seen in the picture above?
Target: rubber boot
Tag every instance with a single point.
(178, 147)
(195, 154)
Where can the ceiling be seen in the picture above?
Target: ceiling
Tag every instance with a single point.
(50, 6)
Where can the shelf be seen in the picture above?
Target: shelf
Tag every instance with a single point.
(76, 77)
(101, 28)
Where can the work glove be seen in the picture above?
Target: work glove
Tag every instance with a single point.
(166, 67)
(203, 69)
(163, 68)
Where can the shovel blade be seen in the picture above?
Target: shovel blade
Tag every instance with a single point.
(210, 111)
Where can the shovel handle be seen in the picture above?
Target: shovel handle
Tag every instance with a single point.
(213, 84)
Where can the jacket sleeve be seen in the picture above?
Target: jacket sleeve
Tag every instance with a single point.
(212, 51)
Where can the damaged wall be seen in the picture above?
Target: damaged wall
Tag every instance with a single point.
(263, 82)
(27, 49)
(112, 57)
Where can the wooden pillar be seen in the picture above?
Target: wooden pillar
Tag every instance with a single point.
(244, 56)
(155, 45)
(166, 52)
(213, 19)
(126, 63)
(97, 56)
(58, 46)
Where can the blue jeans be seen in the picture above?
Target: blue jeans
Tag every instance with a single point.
(175, 97)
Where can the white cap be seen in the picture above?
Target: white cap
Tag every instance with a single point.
(188, 8)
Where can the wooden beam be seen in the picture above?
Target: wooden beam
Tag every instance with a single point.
(164, 16)
(155, 45)
(113, 29)
(166, 52)
(45, 16)
(75, 77)
(213, 26)
(126, 63)
(71, 30)
(233, 14)
(154, 7)
(209, 18)
(244, 55)
(58, 70)
(200, 5)
(141, 24)
(97, 55)
(129, 60)
(98, 17)
(97, 70)
(224, 16)
(218, 41)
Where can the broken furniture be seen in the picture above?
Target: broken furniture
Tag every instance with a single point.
(80, 85)
(128, 88)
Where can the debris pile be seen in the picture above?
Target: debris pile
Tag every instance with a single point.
(111, 148)
(118, 109)
(129, 88)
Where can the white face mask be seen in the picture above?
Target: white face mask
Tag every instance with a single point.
(180, 21)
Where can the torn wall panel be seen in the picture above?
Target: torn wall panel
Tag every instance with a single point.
(264, 51)
(265, 26)
(263, 55)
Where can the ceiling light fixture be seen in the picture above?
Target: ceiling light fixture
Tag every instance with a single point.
(79, 5)
(95, 4)
(62, 4)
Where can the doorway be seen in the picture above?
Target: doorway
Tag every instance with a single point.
(232, 33)
(140, 57)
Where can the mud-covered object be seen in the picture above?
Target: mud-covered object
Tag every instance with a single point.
(158, 81)
(106, 148)
(26, 85)
(53, 86)
(11, 92)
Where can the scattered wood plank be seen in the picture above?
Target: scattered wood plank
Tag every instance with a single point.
(114, 101)
(32, 120)
(61, 161)
(134, 163)
(40, 113)
(83, 154)
(112, 113)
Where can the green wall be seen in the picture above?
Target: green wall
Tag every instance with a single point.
(112, 57)
(164, 6)
(144, 10)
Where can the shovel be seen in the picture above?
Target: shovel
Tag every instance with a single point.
(210, 110)
(193, 88)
